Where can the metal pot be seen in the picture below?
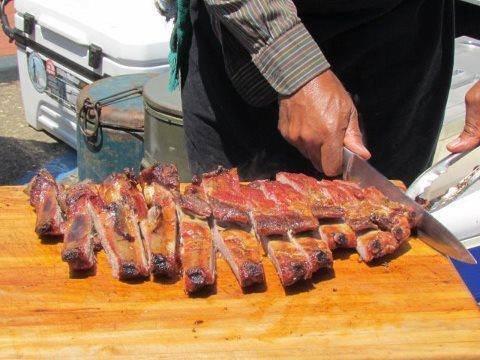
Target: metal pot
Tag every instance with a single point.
(164, 139)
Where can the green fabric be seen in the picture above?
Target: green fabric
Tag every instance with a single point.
(180, 45)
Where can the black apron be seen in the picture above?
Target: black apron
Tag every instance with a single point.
(394, 57)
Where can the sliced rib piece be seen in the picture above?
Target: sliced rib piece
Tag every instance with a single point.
(316, 250)
(301, 218)
(375, 244)
(80, 233)
(198, 253)
(267, 217)
(231, 226)
(159, 228)
(381, 211)
(117, 226)
(193, 201)
(289, 261)
(240, 249)
(338, 235)
(350, 197)
(321, 203)
(272, 222)
(122, 188)
(223, 191)
(390, 215)
(326, 207)
(44, 197)
(163, 174)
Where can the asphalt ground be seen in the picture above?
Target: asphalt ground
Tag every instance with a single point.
(23, 150)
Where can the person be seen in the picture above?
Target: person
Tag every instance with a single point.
(284, 85)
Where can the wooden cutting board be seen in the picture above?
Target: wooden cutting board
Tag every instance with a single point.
(413, 305)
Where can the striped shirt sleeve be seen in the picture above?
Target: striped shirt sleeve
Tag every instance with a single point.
(279, 44)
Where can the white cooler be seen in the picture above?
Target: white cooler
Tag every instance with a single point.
(64, 45)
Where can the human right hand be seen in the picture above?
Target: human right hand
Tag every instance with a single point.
(319, 120)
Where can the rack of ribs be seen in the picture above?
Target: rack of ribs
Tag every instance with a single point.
(296, 219)
(197, 251)
(361, 212)
(45, 197)
(80, 234)
(160, 183)
(231, 227)
(117, 224)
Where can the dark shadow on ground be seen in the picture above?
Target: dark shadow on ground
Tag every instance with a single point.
(8, 75)
(8, 69)
(20, 158)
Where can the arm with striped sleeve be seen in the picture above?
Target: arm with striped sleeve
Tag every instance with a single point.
(279, 44)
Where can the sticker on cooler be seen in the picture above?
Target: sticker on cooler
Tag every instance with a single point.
(62, 85)
(50, 67)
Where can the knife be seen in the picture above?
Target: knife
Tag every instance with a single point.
(430, 230)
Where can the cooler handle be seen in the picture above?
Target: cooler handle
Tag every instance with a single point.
(63, 29)
(7, 29)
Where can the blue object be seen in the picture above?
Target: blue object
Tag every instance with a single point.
(59, 167)
(118, 142)
(471, 273)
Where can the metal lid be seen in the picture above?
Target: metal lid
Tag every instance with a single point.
(126, 112)
(157, 96)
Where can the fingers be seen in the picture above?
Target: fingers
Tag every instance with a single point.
(353, 138)
(464, 142)
(470, 137)
(332, 156)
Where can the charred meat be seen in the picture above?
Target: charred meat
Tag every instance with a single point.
(159, 229)
(45, 198)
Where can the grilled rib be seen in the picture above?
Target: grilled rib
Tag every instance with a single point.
(290, 262)
(159, 228)
(338, 235)
(44, 197)
(389, 215)
(223, 191)
(80, 233)
(232, 233)
(198, 251)
(375, 244)
(327, 206)
(271, 224)
(117, 226)
(316, 250)
(283, 195)
(321, 203)
(240, 249)
(267, 217)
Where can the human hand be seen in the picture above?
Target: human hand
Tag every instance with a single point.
(470, 137)
(319, 120)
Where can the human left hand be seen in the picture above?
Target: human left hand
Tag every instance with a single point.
(470, 136)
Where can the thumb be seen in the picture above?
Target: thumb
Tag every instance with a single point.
(470, 136)
(353, 139)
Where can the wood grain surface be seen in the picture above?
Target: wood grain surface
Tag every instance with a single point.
(409, 306)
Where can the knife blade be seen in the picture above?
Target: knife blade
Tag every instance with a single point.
(430, 230)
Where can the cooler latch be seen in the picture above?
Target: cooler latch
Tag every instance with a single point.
(95, 54)
(28, 23)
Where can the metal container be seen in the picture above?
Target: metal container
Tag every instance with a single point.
(164, 134)
(110, 119)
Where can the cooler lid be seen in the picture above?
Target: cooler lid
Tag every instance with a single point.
(157, 96)
(133, 32)
(125, 110)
